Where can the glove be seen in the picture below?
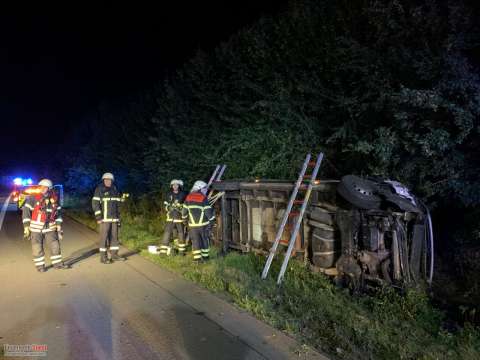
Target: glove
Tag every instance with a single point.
(26, 232)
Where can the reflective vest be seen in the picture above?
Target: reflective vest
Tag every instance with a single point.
(105, 203)
(41, 213)
(174, 206)
(197, 210)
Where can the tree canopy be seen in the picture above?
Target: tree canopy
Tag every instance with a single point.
(382, 87)
(388, 88)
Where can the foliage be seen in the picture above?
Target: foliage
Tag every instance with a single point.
(382, 87)
(115, 142)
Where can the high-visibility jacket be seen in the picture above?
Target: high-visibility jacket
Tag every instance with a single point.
(174, 206)
(105, 203)
(41, 212)
(197, 210)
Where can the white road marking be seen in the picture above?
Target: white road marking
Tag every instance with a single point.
(4, 210)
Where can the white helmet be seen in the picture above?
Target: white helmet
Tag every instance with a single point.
(108, 176)
(178, 182)
(199, 185)
(46, 182)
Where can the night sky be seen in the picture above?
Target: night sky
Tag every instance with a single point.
(58, 63)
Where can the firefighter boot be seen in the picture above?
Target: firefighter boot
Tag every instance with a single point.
(104, 258)
(205, 254)
(182, 249)
(41, 268)
(61, 265)
(197, 256)
(165, 250)
(115, 256)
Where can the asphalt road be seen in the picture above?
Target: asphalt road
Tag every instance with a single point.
(129, 310)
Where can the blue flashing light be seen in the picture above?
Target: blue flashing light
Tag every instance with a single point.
(22, 182)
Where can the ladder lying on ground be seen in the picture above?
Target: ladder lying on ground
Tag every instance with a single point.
(299, 185)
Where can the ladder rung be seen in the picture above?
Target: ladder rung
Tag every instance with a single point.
(312, 163)
(307, 176)
(298, 201)
(294, 213)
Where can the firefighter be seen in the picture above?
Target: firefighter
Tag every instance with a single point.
(42, 222)
(173, 207)
(199, 213)
(105, 204)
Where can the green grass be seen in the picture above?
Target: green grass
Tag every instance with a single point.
(310, 308)
(82, 217)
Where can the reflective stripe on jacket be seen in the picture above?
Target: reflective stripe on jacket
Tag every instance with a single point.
(41, 213)
(105, 203)
(174, 206)
(197, 210)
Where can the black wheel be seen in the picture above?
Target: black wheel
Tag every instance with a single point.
(359, 192)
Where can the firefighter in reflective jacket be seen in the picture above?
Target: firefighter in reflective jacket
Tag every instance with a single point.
(105, 204)
(42, 222)
(199, 213)
(173, 207)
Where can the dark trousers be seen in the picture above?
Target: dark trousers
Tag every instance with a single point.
(167, 234)
(109, 236)
(38, 248)
(200, 246)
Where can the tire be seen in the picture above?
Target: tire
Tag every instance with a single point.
(359, 192)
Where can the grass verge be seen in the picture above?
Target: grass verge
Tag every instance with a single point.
(311, 309)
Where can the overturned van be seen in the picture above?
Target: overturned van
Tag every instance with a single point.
(362, 231)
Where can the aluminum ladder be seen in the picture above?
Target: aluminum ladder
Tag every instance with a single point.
(294, 201)
(216, 176)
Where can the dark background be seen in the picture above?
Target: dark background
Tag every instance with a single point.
(58, 63)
